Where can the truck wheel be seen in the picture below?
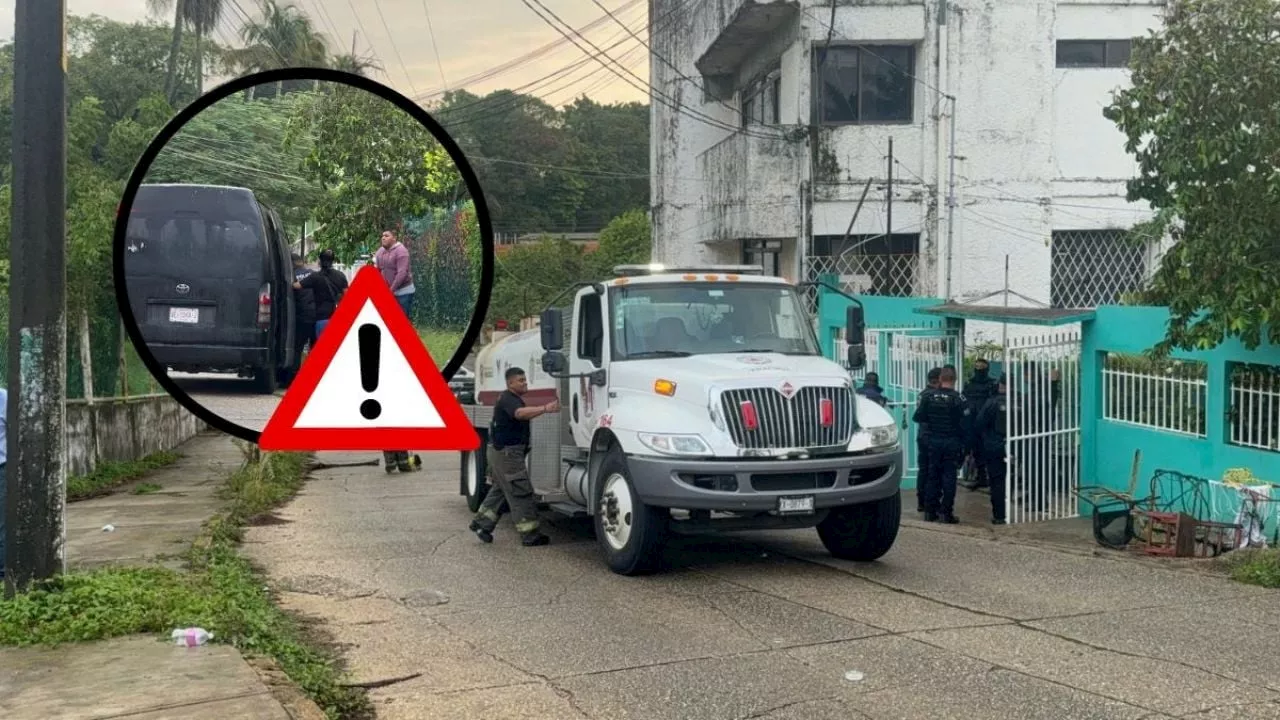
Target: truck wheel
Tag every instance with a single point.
(475, 486)
(862, 532)
(266, 380)
(631, 534)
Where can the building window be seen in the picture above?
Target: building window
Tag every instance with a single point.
(864, 84)
(1094, 53)
(1089, 268)
(760, 99)
(764, 253)
(869, 264)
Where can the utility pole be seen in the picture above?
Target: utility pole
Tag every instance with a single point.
(35, 470)
(888, 223)
(354, 34)
(951, 202)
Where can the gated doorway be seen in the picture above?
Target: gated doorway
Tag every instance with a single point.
(1041, 366)
(902, 358)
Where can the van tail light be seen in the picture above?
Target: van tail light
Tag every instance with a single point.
(750, 420)
(264, 307)
(826, 412)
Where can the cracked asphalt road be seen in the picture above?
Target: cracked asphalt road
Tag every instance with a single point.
(762, 625)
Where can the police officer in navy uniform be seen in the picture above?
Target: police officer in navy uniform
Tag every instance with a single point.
(942, 411)
(922, 458)
(991, 428)
(978, 389)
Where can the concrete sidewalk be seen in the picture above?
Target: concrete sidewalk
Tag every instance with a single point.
(143, 677)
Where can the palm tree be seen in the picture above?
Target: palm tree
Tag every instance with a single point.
(202, 16)
(284, 37)
(355, 64)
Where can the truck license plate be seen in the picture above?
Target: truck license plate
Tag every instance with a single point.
(795, 505)
(184, 315)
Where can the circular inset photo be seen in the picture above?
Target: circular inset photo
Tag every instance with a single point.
(249, 216)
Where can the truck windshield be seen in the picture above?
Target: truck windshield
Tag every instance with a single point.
(705, 318)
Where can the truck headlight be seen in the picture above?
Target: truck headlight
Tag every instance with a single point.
(675, 444)
(883, 435)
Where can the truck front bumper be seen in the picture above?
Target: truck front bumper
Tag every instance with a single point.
(756, 485)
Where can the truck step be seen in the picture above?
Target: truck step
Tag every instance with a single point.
(570, 509)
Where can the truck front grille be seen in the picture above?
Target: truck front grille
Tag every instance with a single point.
(794, 422)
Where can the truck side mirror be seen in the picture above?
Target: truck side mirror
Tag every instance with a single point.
(554, 363)
(552, 325)
(854, 326)
(857, 357)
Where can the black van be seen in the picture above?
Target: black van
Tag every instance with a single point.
(210, 281)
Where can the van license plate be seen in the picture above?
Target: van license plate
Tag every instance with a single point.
(795, 505)
(184, 315)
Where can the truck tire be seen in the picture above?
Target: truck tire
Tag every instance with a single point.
(862, 533)
(631, 534)
(265, 380)
(474, 481)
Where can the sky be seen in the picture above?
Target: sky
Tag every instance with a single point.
(474, 38)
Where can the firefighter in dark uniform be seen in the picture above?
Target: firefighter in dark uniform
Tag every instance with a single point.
(942, 411)
(510, 437)
(978, 389)
(922, 458)
(991, 430)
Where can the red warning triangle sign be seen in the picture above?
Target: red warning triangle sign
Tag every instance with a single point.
(369, 384)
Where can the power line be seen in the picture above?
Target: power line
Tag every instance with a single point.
(653, 92)
(395, 47)
(435, 46)
(511, 103)
(526, 58)
(665, 61)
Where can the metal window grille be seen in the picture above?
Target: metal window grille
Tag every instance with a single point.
(895, 275)
(1097, 267)
(1254, 406)
(1168, 395)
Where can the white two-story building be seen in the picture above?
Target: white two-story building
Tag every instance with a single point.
(770, 118)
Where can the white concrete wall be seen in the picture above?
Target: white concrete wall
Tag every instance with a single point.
(1035, 153)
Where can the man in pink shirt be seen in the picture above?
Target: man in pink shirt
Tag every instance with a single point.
(392, 260)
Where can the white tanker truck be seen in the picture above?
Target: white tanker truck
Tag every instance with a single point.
(696, 400)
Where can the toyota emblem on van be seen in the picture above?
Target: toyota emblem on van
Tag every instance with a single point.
(183, 288)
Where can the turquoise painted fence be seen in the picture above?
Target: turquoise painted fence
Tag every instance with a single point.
(1179, 425)
(1200, 445)
(883, 314)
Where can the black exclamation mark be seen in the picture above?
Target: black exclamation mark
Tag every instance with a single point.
(370, 349)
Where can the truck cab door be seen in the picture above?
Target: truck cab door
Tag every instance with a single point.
(587, 402)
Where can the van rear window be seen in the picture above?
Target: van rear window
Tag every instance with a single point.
(184, 243)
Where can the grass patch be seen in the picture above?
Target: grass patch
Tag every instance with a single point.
(108, 476)
(219, 591)
(1255, 567)
(441, 344)
(146, 488)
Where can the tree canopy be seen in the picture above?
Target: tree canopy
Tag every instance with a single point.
(244, 143)
(377, 165)
(1200, 118)
(549, 170)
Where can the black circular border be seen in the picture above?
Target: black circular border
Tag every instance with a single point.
(239, 85)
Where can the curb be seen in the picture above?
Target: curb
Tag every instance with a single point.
(286, 692)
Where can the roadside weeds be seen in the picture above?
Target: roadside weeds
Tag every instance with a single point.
(219, 591)
(1254, 567)
(109, 476)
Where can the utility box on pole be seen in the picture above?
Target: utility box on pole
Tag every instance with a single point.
(35, 461)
